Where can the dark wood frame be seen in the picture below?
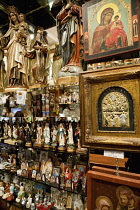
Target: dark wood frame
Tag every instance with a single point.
(92, 84)
(107, 177)
(87, 34)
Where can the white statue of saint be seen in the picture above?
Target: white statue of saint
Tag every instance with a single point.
(15, 132)
(47, 134)
(39, 134)
(54, 135)
(70, 134)
(61, 135)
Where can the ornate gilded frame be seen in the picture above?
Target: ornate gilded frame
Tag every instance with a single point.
(99, 39)
(92, 85)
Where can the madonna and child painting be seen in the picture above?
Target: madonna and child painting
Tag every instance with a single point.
(110, 27)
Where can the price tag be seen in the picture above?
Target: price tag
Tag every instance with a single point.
(115, 154)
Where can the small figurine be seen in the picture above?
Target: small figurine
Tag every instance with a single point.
(15, 132)
(28, 136)
(47, 135)
(6, 191)
(9, 131)
(23, 201)
(21, 134)
(33, 131)
(79, 148)
(68, 176)
(75, 178)
(38, 142)
(48, 169)
(11, 193)
(54, 138)
(61, 137)
(29, 201)
(70, 141)
(5, 130)
(21, 194)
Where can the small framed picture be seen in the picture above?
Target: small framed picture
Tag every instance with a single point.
(36, 166)
(34, 174)
(43, 156)
(38, 176)
(24, 173)
(55, 175)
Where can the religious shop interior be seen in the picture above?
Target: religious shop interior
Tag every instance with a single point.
(69, 105)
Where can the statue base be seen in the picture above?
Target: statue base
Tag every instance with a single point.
(65, 80)
(46, 146)
(69, 74)
(37, 86)
(81, 150)
(12, 141)
(70, 149)
(12, 89)
(28, 144)
(37, 144)
(62, 148)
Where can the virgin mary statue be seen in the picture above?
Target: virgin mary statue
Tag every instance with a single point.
(14, 48)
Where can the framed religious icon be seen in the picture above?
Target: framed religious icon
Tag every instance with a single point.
(110, 108)
(34, 172)
(111, 27)
(110, 192)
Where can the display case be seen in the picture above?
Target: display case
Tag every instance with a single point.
(44, 143)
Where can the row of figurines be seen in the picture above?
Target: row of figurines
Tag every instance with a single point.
(65, 178)
(113, 63)
(42, 134)
(34, 197)
(69, 97)
(61, 175)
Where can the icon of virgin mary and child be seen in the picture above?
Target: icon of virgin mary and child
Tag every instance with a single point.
(109, 34)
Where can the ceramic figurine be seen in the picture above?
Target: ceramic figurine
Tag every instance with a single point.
(21, 134)
(6, 191)
(9, 131)
(70, 141)
(79, 148)
(54, 138)
(23, 201)
(29, 201)
(46, 135)
(28, 136)
(75, 178)
(61, 137)
(5, 130)
(11, 193)
(48, 169)
(33, 131)
(21, 194)
(38, 141)
(15, 132)
(68, 176)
